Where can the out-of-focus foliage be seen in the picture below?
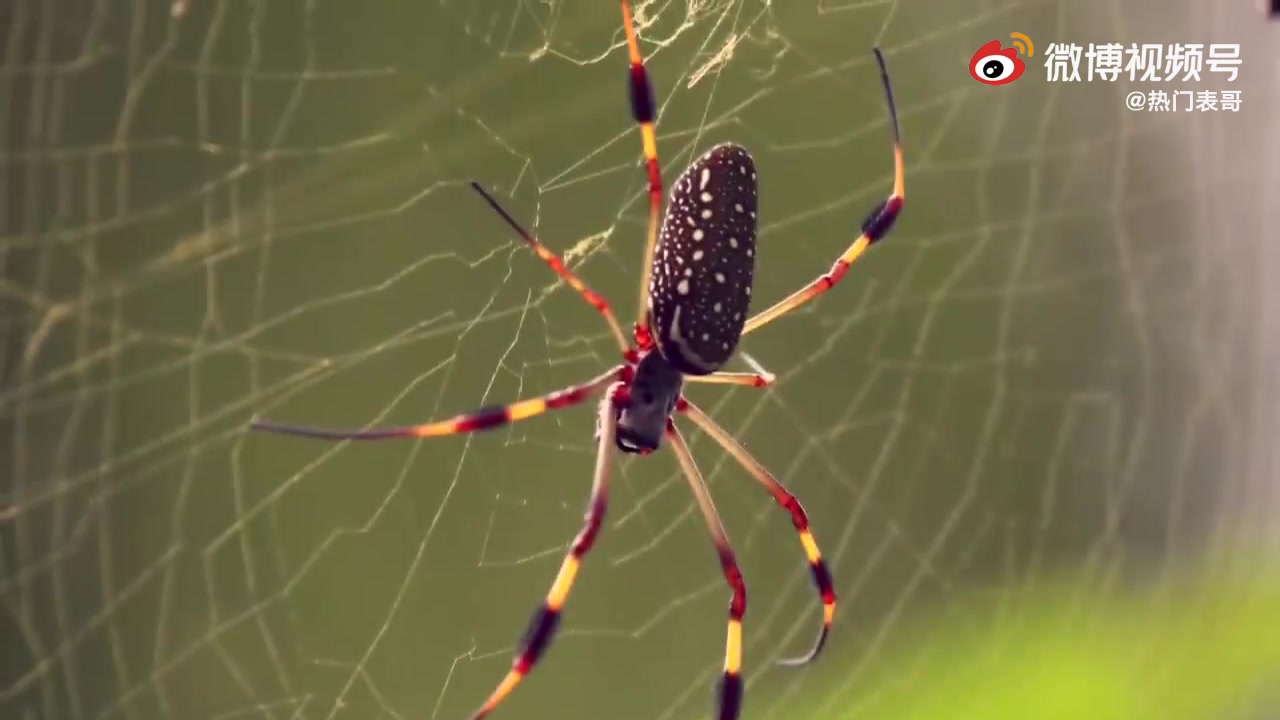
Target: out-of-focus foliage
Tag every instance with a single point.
(1203, 646)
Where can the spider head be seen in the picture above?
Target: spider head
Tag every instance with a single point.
(651, 398)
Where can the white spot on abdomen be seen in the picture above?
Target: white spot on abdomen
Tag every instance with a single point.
(687, 352)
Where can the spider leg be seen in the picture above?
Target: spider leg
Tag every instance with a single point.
(754, 379)
(643, 109)
(729, 695)
(817, 566)
(558, 267)
(761, 377)
(543, 624)
(483, 419)
(874, 228)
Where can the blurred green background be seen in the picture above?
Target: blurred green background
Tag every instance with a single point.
(1031, 429)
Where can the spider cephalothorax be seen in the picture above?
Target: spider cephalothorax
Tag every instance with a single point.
(651, 399)
(695, 294)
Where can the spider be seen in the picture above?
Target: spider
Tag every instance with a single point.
(694, 295)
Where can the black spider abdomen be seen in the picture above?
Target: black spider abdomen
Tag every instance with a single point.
(700, 284)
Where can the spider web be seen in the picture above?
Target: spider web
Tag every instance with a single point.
(1058, 362)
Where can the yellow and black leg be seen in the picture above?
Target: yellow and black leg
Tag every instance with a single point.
(874, 228)
(729, 691)
(542, 627)
(817, 566)
(644, 110)
(483, 419)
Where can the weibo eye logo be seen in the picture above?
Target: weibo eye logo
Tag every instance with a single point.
(994, 65)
